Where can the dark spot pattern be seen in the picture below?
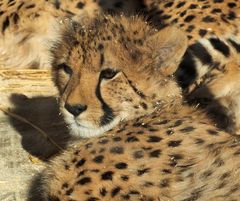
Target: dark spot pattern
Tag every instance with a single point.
(189, 18)
(69, 191)
(115, 191)
(174, 143)
(216, 10)
(125, 177)
(193, 6)
(166, 171)
(187, 129)
(212, 132)
(190, 28)
(103, 141)
(107, 175)
(121, 165)
(80, 5)
(164, 183)
(81, 163)
(30, 6)
(98, 159)
(140, 172)
(202, 32)
(169, 4)
(232, 5)
(199, 141)
(181, 4)
(116, 150)
(138, 154)
(84, 181)
(155, 153)
(103, 192)
(208, 19)
(65, 185)
(177, 123)
(154, 139)
(132, 139)
(93, 199)
(231, 16)
(117, 139)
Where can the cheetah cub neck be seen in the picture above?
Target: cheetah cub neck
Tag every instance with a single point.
(115, 69)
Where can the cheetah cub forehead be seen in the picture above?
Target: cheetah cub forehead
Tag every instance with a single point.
(115, 69)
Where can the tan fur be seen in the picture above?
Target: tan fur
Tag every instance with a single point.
(140, 48)
(167, 152)
(27, 27)
(220, 25)
(201, 20)
(190, 160)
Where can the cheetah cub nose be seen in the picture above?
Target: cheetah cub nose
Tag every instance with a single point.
(76, 109)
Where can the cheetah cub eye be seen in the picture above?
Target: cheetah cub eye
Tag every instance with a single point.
(63, 73)
(65, 68)
(108, 73)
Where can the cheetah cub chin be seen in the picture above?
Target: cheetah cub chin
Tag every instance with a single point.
(171, 153)
(115, 69)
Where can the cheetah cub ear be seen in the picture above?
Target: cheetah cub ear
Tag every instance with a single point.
(167, 47)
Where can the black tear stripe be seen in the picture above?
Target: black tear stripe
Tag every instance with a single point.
(220, 46)
(108, 115)
(186, 73)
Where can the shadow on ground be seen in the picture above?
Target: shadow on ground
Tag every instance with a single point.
(42, 112)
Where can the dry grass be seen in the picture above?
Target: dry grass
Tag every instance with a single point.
(27, 81)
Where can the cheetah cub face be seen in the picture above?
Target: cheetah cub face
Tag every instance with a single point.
(115, 69)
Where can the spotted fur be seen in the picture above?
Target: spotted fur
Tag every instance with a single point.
(27, 27)
(93, 69)
(165, 156)
(163, 150)
(212, 27)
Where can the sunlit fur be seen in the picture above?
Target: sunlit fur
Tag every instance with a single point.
(176, 153)
(214, 25)
(133, 49)
(27, 27)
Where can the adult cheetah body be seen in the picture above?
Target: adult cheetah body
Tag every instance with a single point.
(28, 27)
(212, 27)
(161, 157)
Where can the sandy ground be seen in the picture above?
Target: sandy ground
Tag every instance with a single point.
(23, 149)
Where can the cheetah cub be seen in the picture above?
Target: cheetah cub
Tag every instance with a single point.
(167, 152)
(111, 70)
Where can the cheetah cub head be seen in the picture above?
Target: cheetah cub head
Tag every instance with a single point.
(115, 69)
